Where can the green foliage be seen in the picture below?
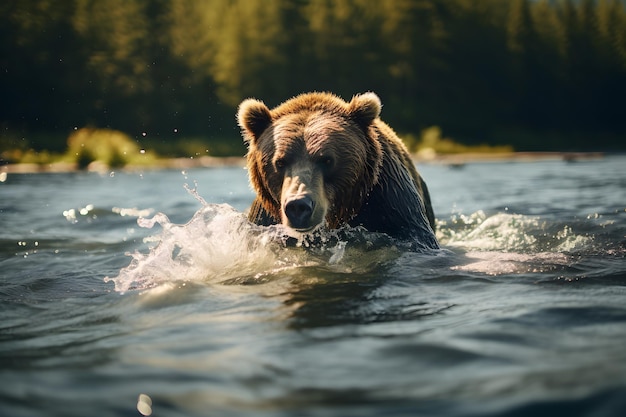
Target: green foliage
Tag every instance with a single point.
(476, 68)
(432, 143)
(198, 146)
(116, 33)
(109, 147)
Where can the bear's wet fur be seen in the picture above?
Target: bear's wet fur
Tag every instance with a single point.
(317, 160)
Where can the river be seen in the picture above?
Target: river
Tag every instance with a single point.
(130, 293)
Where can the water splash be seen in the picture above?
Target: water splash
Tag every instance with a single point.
(217, 244)
(507, 232)
(513, 244)
(220, 245)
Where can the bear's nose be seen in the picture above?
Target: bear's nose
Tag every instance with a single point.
(299, 211)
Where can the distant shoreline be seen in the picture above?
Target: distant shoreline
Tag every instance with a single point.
(453, 160)
(479, 157)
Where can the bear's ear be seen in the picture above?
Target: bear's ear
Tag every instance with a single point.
(253, 117)
(364, 108)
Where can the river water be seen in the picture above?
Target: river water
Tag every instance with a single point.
(131, 293)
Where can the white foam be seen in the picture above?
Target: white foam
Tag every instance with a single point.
(507, 232)
(217, 244)
(220, 245)
(507, 243)
(570, 241)
(501, 231)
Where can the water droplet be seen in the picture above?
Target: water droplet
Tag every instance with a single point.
(144, 404)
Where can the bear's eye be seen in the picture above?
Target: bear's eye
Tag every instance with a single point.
(326, 162)
(280, 163)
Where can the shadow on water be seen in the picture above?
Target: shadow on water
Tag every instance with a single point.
(333, 299)
(366, 292)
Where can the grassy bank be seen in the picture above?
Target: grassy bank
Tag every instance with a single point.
(89, 147)
(100, 149)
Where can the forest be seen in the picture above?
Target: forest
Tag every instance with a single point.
(534, 74)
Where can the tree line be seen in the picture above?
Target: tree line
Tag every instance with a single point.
(538, 74)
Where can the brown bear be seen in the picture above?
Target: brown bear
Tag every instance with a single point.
(317, 160)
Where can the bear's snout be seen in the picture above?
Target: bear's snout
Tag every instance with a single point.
(299, 211)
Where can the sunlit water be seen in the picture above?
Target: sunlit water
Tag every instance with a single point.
(154, 284)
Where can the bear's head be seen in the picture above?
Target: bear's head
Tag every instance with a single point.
(313, 159)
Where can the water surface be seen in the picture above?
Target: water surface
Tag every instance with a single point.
(153, 283)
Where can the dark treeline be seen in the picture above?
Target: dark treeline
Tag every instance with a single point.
(536, 74)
